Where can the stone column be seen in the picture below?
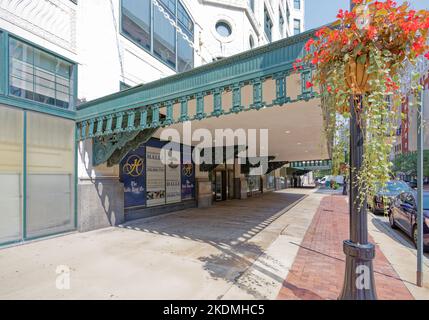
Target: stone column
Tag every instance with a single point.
(100, 194)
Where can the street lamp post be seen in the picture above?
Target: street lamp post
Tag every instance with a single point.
(420, 145)
(359, 283)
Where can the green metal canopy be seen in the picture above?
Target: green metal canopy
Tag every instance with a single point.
(115, 120)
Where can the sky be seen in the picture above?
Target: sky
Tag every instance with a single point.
(321, 12)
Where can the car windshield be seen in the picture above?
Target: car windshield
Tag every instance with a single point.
(395, 186)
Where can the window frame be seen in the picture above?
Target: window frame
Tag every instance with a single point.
(297, 2)
(73, 79)
(294, 29)
(177, 34)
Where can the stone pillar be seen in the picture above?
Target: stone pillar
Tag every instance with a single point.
(100, 203)
(240, 185)
(264, 183)
(204, 192)
(100, 194)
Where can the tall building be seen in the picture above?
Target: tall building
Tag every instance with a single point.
(60, 57)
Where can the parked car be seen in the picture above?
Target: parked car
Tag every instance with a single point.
(337, 179)
(403, 215)
(413, 183)
(382, 200)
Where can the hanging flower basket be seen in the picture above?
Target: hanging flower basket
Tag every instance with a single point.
(356, 75)
(361, 54)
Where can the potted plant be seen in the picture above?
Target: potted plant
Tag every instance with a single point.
(360, 56)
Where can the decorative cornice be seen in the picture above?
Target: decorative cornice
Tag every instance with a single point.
(51, 20)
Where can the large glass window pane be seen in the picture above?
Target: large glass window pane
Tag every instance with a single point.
(40, 76)
(185, 54)
(296, 26)
(21, 69)
(164, 39)
(11, 151)
(136, 21)
(50, 175)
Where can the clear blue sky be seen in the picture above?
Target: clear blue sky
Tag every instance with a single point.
(321, 12)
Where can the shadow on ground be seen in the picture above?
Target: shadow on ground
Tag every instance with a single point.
(229, 227)
(397, 235)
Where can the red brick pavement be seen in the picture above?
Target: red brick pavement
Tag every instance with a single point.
(318, 270)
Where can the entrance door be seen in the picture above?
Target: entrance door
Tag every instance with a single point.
(221, 187)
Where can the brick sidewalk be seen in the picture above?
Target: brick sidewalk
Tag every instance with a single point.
(318, 270)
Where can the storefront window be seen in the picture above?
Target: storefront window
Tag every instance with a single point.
(50, 175)
(11, 150)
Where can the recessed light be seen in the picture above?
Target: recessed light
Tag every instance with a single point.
(287, 131)
(299, 143)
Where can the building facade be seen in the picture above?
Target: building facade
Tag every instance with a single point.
(58, 54)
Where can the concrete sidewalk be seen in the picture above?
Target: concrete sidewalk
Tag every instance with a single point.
(237, 249)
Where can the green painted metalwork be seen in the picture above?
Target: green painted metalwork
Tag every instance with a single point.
(155, 116)
(76, 176)
(169, 117)
(307, 93)
(99, 126)
(119, 153)
(200, 107)
(236, 98)
(91, 128)
(109, 122)
(24, 178)
(217, 103)
(119, 121)
(281, 89)
(184, 110)
(257, 95)
(130, 121)
(259, 63)
(105, 146)
(4, 66)
(143, 119)
(312, 165)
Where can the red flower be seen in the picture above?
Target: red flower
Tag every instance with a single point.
(427, 55)
(309, 44)
(308, 85)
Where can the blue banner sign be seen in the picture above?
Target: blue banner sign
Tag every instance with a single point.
(133, 176)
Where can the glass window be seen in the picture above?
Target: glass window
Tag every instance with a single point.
(296, 26)
(185, 53)
(50, 175)
(251, 4)
(281, 22)
(11, 151)
(268, 25)
(297, 4)
(136, 21)
(40, 76)
(168, 43)
(164, 39)
(223, 29)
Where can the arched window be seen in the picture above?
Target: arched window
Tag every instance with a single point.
(156, 34)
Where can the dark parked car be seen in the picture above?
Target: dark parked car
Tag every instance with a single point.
(413, 183)
(382, 200)
(403, 215)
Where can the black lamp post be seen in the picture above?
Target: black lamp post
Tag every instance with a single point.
(359, 281)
